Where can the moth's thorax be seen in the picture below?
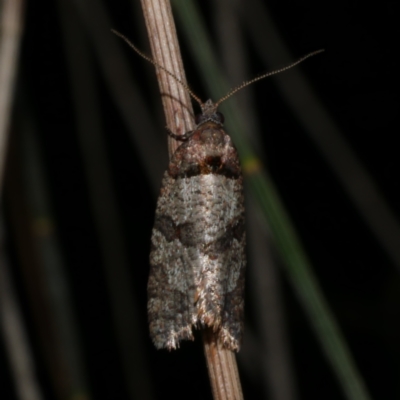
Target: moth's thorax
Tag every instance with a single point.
(210, 133)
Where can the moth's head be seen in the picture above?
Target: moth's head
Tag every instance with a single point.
(209, 113)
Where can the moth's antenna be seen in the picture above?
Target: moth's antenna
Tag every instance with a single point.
(278, 71)
(150, 60)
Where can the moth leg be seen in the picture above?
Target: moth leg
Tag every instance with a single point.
(181, 138)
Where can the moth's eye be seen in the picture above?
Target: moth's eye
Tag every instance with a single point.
(197, 118)
(220, 117)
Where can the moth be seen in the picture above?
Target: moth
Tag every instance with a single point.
(197, 258)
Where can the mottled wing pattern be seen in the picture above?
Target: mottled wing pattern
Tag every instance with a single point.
(198, 243)
(171, 282)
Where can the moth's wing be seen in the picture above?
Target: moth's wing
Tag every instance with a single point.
(232, 315)
(220, 277)
(170, 285)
